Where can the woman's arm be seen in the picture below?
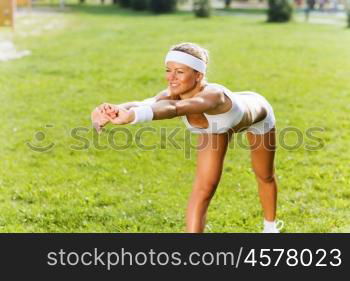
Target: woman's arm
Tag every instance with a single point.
(209, 99)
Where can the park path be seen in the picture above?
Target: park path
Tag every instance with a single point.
(29, 23)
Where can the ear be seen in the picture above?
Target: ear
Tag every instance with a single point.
(199, 76)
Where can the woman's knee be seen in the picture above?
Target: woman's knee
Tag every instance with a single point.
(265, 178)
(204, 191)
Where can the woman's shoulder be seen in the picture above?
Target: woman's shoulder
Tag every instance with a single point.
(216, 86)
(163, 94)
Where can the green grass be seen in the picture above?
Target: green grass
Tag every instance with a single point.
(100, 54)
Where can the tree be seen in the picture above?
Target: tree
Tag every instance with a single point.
(125, 3)
(228, 3)
(202, 8)
(139, 4)
(347, 8)
(162, 6)
(279, 11)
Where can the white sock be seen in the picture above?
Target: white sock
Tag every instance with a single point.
(270, 227)
(269, 224)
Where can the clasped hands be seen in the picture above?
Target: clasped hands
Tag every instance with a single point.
(106, 112)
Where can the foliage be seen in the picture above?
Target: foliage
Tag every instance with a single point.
(140, 4)
(228, 3)
(279, 11)
(163, 6)
(125, 3)
(202, 8)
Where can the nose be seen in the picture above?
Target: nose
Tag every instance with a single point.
(171, 76)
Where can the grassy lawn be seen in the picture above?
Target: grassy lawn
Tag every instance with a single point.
(95, 54)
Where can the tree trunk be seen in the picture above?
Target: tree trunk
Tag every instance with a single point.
(228, 3)
(347, 8)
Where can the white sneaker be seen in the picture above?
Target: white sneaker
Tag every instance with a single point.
(273, 227)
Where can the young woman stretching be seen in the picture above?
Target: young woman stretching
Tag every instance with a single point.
(214, 113)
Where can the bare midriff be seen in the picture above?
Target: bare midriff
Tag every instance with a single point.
(200, 121)
(248, 120)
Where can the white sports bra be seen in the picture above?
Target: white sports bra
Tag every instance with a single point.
(221, 123)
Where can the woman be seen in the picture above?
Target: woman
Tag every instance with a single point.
(214, 113)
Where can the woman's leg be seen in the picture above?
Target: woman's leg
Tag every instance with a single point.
(210, 158)
(262, 154)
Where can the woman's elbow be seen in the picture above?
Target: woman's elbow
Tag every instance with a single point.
(165, 110)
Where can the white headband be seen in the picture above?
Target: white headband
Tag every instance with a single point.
(186, 59)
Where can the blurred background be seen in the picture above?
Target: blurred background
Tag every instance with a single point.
(60, 59)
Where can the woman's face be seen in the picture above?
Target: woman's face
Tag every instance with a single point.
(181, 78)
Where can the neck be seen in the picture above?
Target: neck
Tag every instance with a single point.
(194, 91)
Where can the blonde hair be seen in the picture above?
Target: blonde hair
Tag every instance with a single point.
(192, 49)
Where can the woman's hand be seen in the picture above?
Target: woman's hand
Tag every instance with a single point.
(124, 116)
(99, 119)
(109, 109)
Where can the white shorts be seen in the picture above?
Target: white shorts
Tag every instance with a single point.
(269, 122)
